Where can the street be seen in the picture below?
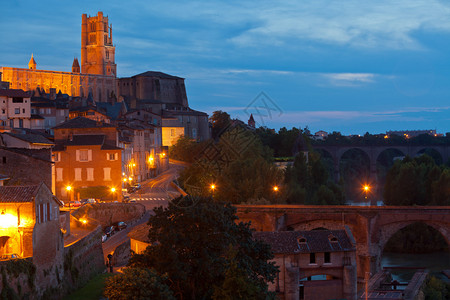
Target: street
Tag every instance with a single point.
(154, 192)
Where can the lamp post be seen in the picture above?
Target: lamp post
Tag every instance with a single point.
(275, 191)
(69, 189)
(212, 187)
(113, 191)
(366, 189)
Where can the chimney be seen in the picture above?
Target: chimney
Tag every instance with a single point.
(52, 95)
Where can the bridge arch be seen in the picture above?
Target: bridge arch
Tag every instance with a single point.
(434, 153)
(388, 230)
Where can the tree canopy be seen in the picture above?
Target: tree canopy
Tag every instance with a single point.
(203, 250)
(417, 181)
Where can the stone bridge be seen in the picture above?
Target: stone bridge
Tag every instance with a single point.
(372, 226)
(373, 153)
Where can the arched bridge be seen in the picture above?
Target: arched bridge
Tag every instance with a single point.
(372, 226)
(373, 153)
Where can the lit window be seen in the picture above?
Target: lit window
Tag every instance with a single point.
(59, 174)
(107, 174)
(17, 111)
(90, 174)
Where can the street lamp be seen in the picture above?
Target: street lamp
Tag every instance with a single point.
(213, 187)
(69, 189)
(275, 191)
(113, 191)
(366, 189)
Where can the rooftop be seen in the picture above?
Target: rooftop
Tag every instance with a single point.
(18, 194)
(157, 74)
(81, 122)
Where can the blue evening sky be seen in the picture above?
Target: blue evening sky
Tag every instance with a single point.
(348, 66)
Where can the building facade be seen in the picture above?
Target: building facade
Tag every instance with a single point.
(98, 69)
(86, 155)
(15, 109)
(314, 265)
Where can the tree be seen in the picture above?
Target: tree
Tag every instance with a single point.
(184, 149)
(190, 242)
(417, 181)
(137, 283)
(308, 182)
(238, 164)
(220, 120)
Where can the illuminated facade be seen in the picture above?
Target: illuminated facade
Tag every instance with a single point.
(29, 222)
(97, 74)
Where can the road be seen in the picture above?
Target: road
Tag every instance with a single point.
(158, 191)
(154, 192)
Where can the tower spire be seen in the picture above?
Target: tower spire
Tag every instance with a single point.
(32, 63)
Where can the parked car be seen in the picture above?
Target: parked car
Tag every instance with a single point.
(126, 199)
(9, 256)
(137, 186)
(88, 201)
(132, 201)
(73, 204)
(109, 231)
(104, 237)
(131, 189)
(120, 225)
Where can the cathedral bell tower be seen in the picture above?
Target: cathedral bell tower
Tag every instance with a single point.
(97, 50)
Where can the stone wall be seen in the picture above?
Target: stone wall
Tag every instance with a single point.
(122, 254)
(107, 213)
(83, 260)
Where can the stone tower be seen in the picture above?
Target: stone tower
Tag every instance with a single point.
(32, 63)
(97, 50)
(75, 66)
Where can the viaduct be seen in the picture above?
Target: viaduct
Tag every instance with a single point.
(372, 226)
(373, 153)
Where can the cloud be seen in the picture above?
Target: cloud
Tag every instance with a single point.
(369, 24)
(349, 79)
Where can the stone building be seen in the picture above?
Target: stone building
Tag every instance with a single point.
(15, 109)
(86, 155)
(314, 265)
(16, 163)
(98, 68)
(29, 223)
(165, 95)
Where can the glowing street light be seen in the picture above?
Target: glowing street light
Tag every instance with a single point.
(275, 188)
(366, 189)
(212, 187)
(113, 191)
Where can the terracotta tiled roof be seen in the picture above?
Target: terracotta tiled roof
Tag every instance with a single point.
(18, 194)
(86, 140)
(81, 122)
(140, 233)
(14, 93)
(306, 241)
(31, 138)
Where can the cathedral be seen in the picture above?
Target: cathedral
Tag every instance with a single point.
(95, 76)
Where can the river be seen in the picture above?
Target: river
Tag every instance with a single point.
(435, 262)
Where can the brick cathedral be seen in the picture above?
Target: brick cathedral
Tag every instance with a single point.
(97, 74)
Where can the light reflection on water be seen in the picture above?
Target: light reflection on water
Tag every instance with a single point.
(434, 262)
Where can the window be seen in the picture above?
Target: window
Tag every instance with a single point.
(106, 42)
(59, 174)
(57, 156)
(49, 111)
(17, 111)
(90, 174)
(20, 123)
(112, 156)
(4, 159)
(172, 132)
(107, 174)
(84, 155)
(78, 174)
(23, 110)
(17, 100)
(3, 111)
(327, 258)
(312, 258)
(194, 133)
